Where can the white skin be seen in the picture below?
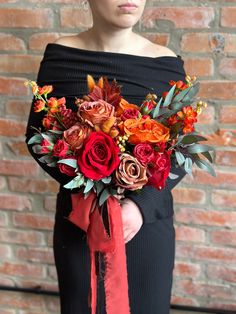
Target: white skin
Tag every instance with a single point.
(112, 31)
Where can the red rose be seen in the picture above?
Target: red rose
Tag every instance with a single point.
(130, 114)
(99, 157)
(160, 170)
(60, 149)
(144, 152)
(68, 170)
(46, 146)
(39, 105)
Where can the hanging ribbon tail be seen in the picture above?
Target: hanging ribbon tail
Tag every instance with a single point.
(85, 214)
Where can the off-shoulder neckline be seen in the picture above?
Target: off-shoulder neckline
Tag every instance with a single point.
(113, 54)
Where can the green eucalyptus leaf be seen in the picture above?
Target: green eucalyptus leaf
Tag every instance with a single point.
(47, 137)
(106, 180)
(58, 132)
(36, 139)
(173, 176)
(99, 187)
(208, 156)
(89, 186)
(188, 165)
(206, 166)
(77, 182)
(69, 162)
(190, 139)
(156, 110)
(52, 164)
(180, 96)
(199, 148)
(169, 96)
(104, 196)
(180, 158)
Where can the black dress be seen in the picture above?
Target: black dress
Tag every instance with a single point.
(150, 254)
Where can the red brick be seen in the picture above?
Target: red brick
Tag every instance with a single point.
(39, 255)
(19, 63)
(208, 42)
(228, 17)
(14, 202)
(12, 128)
(20, 269)
(75, 17)
(218, 90)
(18, 167)
(189, 196)
(223, 237)
(223, 198)
(18, 148)
(184, 17)
(183, 300)
(18, 107)
(184, 269)
(222, 137)
(206, 253)
(227, 67)
(225, 158)
(208, 217)
(217, 304)
(21, 300)
(35, 186)
(39, 41)
(228, 114)
(187, 286)
(9, 42)
(25, 237)
(2, 183)
(223, 178)
(199, 67)
(50, 203)
(33, 221)
(26, 18)
(189, 234)
(13, 86)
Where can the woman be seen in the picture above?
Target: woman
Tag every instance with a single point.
(111, 48)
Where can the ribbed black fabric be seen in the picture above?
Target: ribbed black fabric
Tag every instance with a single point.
(150, 254)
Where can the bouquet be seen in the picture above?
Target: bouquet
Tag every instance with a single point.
(109, 146)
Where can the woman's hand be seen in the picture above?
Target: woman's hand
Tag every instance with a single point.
(131, 217)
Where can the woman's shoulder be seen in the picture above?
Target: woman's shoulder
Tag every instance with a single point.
(147, 47)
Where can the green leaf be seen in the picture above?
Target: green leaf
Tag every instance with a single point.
(36, 139)
(37, 149)
(89, 186)
(106, 180)
(173, 176)
(156, 110)
(188, 165)
(104, 196)
(208, 156)
(77, 182)
(199, 148)
(190, 139)
(99, 187)
(47, 137)
(204, 165)
(169, 96)
(56, 132)
(69, 162)
(181, 95)
(180, 158)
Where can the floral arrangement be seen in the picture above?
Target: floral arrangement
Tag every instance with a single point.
(110, 145)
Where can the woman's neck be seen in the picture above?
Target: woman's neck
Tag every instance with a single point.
(122, 40)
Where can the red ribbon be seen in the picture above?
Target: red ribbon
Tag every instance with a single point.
(85, 214)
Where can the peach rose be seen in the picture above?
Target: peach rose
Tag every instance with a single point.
(96, 112)
(145, 130)
(76, 135)
(130, 174)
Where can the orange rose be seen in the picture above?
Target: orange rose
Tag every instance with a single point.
(47, 89)
(145, 130)
(124, 105)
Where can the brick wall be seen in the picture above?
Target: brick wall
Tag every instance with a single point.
(204, 33)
